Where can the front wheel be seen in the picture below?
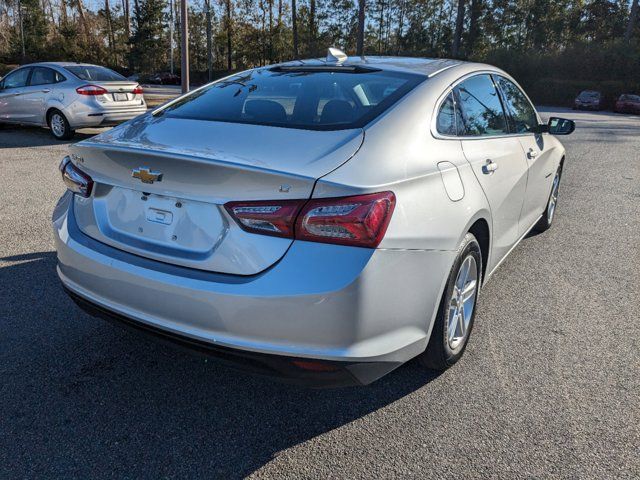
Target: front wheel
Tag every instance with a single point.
(546, 220)
(457, 309)
(59, 126)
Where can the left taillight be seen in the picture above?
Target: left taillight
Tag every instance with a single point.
(91, 90)
(360, 220)
(75, 179)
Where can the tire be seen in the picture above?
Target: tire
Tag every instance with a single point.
(453, 326)
(546, 220)
(59, 126)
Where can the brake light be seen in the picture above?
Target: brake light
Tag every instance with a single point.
(75, 179)
(274, 218)
(91, 90)
(361, 220)
(138, 90)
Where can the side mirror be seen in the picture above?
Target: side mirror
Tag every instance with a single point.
(560, 126)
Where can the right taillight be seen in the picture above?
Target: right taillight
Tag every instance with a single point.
(359, 220)
(75, 179)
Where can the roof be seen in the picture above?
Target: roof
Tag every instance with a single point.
(423, 66)
(57, 64)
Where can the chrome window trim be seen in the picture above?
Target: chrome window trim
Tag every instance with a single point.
(449, 89)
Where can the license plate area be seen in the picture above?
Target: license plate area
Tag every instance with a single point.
(159, 224)
(120, 97)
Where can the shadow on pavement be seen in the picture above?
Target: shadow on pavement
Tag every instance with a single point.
(23, 136)
(81, 397)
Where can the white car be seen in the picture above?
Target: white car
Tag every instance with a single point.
(321, 220)
(66, 96)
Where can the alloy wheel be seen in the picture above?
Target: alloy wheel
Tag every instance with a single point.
(553, 199)
(57, 125)
(462, 302)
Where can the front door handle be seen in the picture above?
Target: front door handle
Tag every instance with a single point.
(489, 167)
(531, 154)
(46, 90)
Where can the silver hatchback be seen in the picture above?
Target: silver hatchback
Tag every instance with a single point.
(323, 220)
(68, 96)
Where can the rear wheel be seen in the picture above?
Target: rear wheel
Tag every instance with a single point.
(454, 321)
(59, 126)
(549, 213)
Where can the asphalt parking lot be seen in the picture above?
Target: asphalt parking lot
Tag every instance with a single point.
(549, 386)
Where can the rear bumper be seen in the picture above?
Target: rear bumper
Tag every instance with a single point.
(367, 311)
(80, 115)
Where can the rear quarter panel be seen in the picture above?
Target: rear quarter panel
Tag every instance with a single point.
(400, 154)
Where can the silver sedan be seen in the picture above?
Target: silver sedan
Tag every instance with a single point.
(68, 96)
(321, 220)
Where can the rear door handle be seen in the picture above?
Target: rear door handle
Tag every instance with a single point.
(532, 153)
(489, 167)
(46, 90)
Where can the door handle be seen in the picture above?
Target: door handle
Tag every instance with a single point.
(46, 90)
(489, 167)
(532, 153)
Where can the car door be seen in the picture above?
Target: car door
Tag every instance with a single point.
(541, 164)
(496, 159)
(35, 97)
(13, 86)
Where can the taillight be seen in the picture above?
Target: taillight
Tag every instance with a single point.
(91, 90)
(75, 179)
(137, 90)
(268, 218)
(361, 220)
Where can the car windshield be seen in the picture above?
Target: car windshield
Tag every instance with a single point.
(630, 98)
(307, 98)
(94, 73)
(589, 95)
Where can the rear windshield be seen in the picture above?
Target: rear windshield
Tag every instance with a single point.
(94, 73)
(629, 98)
(315, 100)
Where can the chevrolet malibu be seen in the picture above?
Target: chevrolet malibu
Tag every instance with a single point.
(66, 96)
(322, 220)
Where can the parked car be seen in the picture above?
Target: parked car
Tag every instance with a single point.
(325, 221)
(589, 100)
(165, 78)
(67, 96)
(627, 103)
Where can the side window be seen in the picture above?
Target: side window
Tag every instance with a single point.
(482, 113)
(523, 115)
(42, 76)
(16, 79)
(446, 119)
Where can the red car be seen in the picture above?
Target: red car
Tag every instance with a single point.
(627, 103)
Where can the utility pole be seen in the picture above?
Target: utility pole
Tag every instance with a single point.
(21, 30)
(184, 50)
(171, 25)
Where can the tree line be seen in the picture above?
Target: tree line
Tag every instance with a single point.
(573, 40)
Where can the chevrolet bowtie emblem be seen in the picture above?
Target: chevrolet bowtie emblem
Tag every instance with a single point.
(145, 175)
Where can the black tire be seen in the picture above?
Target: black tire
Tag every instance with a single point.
(440, 354)
(546, 220)
(59, 126)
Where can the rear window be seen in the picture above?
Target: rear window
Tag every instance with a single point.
(315, 100)
(94, 73)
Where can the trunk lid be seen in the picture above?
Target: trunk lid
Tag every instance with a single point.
(180, 217)
(119, 94)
